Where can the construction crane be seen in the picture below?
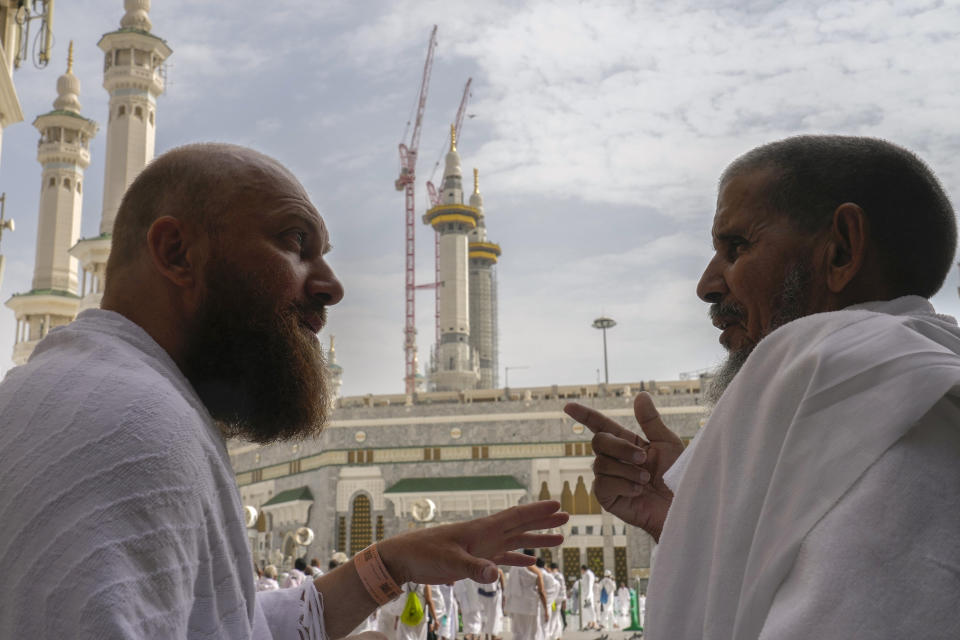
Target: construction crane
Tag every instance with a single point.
(405, 183)
(434, 201)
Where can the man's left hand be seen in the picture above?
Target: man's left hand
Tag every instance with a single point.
(472, 549)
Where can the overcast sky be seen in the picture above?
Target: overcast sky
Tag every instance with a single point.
(599, 129)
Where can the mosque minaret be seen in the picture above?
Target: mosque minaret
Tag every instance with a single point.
(64, 153)
(455, 361)
(133, 75)
(483, 293)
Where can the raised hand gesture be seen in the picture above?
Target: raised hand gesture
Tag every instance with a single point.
(628, 470)
(472, 549)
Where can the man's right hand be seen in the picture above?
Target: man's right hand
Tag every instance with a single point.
(628, 470)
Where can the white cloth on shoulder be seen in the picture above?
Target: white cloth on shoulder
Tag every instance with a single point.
(798, 442)
(113, 471)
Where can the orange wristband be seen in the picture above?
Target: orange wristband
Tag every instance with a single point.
(375, 577)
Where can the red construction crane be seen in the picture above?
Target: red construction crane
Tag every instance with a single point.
(434, 201)
(405, 183)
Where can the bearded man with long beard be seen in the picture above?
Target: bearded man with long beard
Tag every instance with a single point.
(112, 449)
(820, 498)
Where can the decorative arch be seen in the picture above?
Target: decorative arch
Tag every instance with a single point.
(566, 498)
(581, 499)
(544, 492)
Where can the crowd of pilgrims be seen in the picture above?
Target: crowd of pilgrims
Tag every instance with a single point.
(536, 599)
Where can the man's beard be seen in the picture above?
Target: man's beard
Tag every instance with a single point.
(791, 303)
(256, 368)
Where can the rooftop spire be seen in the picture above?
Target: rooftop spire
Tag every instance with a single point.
(70, 58)
(68, 87)
(476, 180)
(453, 138)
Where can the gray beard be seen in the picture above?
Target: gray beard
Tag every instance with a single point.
(791, 304)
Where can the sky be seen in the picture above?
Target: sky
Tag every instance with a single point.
(599, 129)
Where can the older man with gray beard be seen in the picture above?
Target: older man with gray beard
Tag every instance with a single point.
(820, 499)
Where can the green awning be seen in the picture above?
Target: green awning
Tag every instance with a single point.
(458, 483)
(302, 493)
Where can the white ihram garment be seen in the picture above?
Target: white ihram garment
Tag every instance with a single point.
(491, 607)
(588, 603)
(523, 604)
(112, 471)
(449, 626)
(606, 614)
(395, 607)
(554, 592)
(465, 591)
(820, 500)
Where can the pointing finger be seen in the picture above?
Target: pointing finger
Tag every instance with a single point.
(599, 423)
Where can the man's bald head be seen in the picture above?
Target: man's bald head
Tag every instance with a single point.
(199, 184)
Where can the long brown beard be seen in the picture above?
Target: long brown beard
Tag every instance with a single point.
(260, 373)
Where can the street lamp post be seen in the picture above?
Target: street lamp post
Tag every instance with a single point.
(603, 324)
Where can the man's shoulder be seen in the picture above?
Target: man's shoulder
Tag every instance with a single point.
(82, 390)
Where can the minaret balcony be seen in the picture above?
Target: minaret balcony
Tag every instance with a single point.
(123, 76)
(484, 252)
(63, 152)
(444, 215)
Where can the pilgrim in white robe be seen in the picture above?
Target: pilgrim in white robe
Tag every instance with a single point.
(465, 591)
(820, 499)
(113, 471)
(588, 601)
(490, 597)
(554, 590)
(621, 607)
(449, 623)
(523, 604)
(607, 590)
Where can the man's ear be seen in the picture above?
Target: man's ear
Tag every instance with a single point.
(846, 246)
(171, 249)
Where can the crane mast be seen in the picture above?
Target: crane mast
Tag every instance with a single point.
(405, 183)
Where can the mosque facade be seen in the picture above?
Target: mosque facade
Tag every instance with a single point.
(386, 464)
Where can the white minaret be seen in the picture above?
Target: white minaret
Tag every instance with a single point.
(483, 293)
(64, 152)
(455, 365)
(336, 373)
(133, 75)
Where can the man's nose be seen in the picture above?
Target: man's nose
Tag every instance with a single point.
(712, 287)
(324, 284)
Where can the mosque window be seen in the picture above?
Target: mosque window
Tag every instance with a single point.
(595, 559)
(574, 531)
(547, 556)
(479, 453)
(380, 531)
(571, 563)
(342, 533)
(431, 454)
(351, 457)
(138, 111)
(121, 111)
(360, 528)
(294, 466)
(66, 184)
(620, 564)
(140, 58)
(124, 57)
(53, 182)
